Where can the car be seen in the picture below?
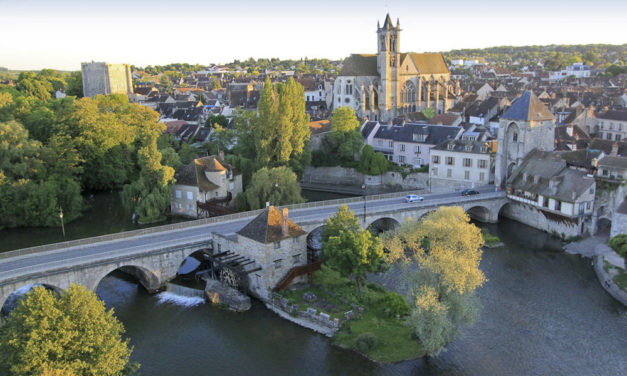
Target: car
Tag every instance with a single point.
(469, 192)
(413, 198)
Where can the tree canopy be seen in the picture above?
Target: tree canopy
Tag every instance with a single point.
(351, 250)
(445, 249)
(343, 119)
(72, 334)
(278, 186)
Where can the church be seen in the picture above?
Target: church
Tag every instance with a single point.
(390, 83)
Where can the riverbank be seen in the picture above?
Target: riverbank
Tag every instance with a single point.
(607, 263)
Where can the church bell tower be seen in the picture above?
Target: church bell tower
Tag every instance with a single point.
(388, 56)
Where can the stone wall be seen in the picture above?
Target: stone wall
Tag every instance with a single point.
(309, 318)
(537, 219)
(349, 176)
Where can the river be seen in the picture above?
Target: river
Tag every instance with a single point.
(544, 313)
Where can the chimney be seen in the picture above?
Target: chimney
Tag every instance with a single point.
(614, 149)
(284, 226)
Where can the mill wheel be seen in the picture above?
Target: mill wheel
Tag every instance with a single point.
(229, 277)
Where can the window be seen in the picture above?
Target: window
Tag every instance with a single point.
(401, 159)
(515, 137)
(468, 147)
(308, 98)
(450, 146)
(401, 147)
(435, 171)
(481, 176)
(467, 162)
(219, 247)
(588, 205)
(277, 263)
(380, 142)
(435, 159)
(277, 245)
(178, 194)
(608, 135)
(179, 205)
(231, 186)
(391, 144)
(295, 259)
(483, 163)
(190, 206)
(467, 175)
(611, 126)
(617, 137)
(190, 195)
(450, 161)
(581, 208)
(449, 173)
(416, 149)
(558, 205)
(591, 190)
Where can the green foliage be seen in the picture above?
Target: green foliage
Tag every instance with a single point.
(217, 119)
(74, 85)
(350, 250)
(344, 120)
(428, 113)
(615, 70)
(73, 333)
(366, 342)
(393, 305)
(35, 86)
(240, 202)
(371, 162)
(276, 185)
(619, 244)
(339, 148)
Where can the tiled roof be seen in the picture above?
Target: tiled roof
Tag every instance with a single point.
(367, 129)
(429, 63)
(444, 119)
(435, 134)
(613, 115)
(527, 107)
(360, 65)
(461, 146)
(610, 161)
(266, 227)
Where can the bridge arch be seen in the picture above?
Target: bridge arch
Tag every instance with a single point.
(383, 224)
(14, 298)
(480, 213)
(145, 276)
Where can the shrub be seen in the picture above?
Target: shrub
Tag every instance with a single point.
(393, 305)
(619, 244)
(366, 342)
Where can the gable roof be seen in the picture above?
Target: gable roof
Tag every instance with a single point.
(360, 65)
(527, 107)
(434, 134)
(266, 227)
(429, 63)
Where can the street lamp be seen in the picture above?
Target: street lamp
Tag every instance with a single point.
(61, 217)
(363, 187)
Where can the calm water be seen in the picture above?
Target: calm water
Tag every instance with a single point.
(104, 216)
(544, 314)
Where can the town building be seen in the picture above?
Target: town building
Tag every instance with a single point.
(409, 143)
(204, 187)
(577, 70)
(105, 79)
(612, 125)
(460, 164)
(274, 243)
(548, 194)
(380, 86)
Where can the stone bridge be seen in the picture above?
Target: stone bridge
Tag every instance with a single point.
(155, 255)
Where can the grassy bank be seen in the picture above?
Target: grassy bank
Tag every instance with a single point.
(377, 328)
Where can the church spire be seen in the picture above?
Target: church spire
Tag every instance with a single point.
(388, 22)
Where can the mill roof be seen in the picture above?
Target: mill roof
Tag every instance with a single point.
(527, 107)
(360, 65)
(266, 227)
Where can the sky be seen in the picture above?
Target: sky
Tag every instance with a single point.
(61, 34)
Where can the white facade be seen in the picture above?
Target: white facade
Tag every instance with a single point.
(578, 70)
(460, 164)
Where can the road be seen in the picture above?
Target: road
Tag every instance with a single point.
(34, 263)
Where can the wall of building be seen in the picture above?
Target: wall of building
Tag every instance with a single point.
(104, 79)
(535, 218)
(185, 205)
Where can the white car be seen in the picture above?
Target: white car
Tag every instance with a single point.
(413, 198)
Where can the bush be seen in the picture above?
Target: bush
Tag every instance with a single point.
(393, 305)
(619, 244)
(366, 342)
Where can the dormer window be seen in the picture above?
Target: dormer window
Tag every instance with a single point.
(468, 147)
(450, 146)
(484, 149)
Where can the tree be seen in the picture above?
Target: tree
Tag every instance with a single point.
(65, 335)
(619, 245)
(221, 120)
(428, 113)
(343, 220)
(278, 186)
(446, 249)
(34, 86)
(344, 120)
(351, 250)
(371, 162)
(74, 85)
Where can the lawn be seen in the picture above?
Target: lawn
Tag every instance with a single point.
(620, 277)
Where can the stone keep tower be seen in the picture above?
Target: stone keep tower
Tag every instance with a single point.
(526, 125)
(388, 60)
(105, 79)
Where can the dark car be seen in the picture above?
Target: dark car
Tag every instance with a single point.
(469, 192)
